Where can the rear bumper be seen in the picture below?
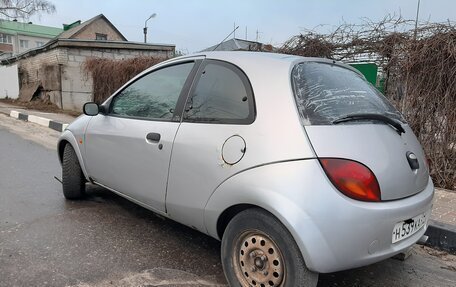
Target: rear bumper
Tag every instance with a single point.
(344, 233)
(332, 231)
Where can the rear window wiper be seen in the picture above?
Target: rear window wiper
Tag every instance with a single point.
(377, 117)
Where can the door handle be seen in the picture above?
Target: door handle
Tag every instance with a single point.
(153, 137)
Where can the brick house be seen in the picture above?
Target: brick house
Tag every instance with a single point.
(54, 71)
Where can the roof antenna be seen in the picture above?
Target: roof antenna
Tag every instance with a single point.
(234, 27)
(225, 38)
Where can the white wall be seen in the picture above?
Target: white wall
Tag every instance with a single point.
(31, 42)
(9, 82)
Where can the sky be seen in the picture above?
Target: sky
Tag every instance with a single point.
(193, 25)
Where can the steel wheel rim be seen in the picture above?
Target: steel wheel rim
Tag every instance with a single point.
(257, 260)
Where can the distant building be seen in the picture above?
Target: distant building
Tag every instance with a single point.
(54, 71)
(236, 44)
(17, 37)
(98, 28)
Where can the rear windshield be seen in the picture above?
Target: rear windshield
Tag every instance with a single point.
(325, 92)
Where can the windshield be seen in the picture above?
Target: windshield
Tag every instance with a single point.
(325, 92)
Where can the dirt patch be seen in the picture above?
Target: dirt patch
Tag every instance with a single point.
(30, 131)
(443, 255)
(40, 105)
(159, 277)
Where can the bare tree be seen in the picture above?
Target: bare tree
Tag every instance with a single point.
(24, 9)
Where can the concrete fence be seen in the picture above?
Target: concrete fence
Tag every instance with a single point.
(9, 87)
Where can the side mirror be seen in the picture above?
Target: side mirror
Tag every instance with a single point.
(91, 109)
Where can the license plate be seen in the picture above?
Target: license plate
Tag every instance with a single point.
(407, 228)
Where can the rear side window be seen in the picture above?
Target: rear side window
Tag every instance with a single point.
(326, 92)
(222, 95)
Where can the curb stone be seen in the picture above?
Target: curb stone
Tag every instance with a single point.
(441, 236)
(57, 126)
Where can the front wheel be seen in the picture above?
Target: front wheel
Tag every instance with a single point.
(257, 250)
(73, 180)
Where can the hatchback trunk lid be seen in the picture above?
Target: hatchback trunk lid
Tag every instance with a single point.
(381, 149)
(346, 117)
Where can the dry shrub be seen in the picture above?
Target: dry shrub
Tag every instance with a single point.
(109, 75)
(419, 67)
(430, 100)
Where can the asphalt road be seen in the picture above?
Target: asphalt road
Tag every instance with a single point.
(107, 241)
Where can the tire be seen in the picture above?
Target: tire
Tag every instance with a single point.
(257, 250)
(73, 180)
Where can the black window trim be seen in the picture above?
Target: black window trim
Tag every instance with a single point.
(177, 115)
(247, 85)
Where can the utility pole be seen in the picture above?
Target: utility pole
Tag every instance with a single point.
(245, 32)
(145, 26)
(258, 35)
(416, 21)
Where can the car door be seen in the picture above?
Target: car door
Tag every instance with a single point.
(129, 148)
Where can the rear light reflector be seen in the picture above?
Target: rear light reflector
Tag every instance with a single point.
(352, 178)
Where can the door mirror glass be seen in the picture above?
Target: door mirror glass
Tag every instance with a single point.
(91, 109)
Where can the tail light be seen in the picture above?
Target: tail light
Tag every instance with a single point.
(352, 178)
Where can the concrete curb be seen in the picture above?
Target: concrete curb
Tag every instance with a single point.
(441, 236)
(60, 127)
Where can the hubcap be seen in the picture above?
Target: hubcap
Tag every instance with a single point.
(258, 261)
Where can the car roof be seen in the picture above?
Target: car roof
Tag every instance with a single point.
(246, 55)
(265, 59)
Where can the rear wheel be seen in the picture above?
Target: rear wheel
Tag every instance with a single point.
(73, 180)
(257, 250)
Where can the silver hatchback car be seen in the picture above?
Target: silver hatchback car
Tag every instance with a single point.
(297, 165)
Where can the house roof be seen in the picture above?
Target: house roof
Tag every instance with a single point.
(65, 39)
(19, 28)
(87, 44)
(236, 44)
(74, 31)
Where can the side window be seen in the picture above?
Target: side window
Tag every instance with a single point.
(222, 94)
(154, 96)
(23, 43)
